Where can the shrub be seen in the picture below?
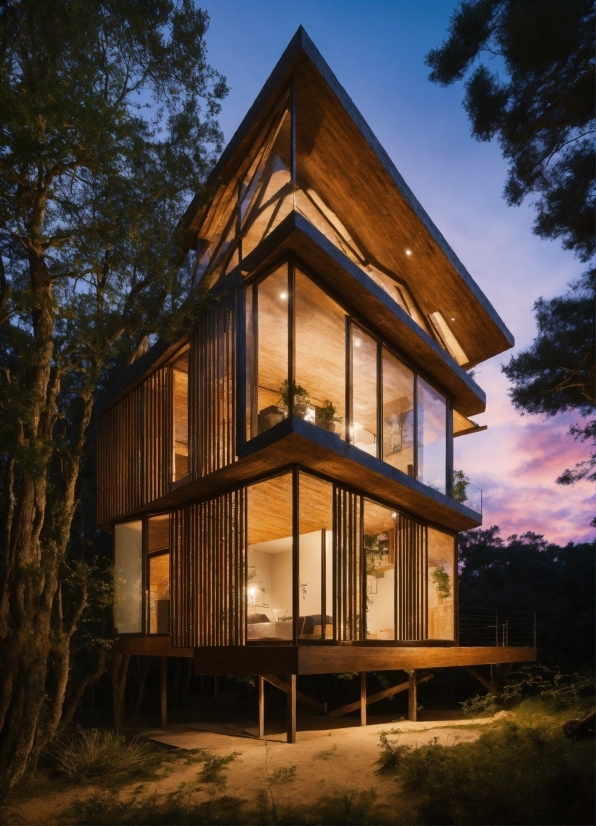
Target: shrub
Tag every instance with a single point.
(510, 775)
(87, 753)
(103, 810)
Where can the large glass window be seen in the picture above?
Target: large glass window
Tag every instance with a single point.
(320, 356)
(379, 549)
(180, 417)
(269, 560)
(128, 577)
(441, 602)
(158, 549)
(272, 356)
(315, 549)
(432, 437)
(363, 424)
(398, 414)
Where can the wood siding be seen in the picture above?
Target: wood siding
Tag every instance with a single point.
(410, 580)
(209, 573)
(135, 435)
(212, 389)
(120, 457)
(347, 565)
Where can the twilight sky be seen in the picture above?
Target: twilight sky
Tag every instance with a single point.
(376, 49)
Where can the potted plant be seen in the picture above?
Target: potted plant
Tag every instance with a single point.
(301, 399)
(325, 416)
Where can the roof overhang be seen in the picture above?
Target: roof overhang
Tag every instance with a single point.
(339, 156)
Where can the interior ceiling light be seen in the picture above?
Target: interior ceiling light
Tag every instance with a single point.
(393, 515)
(357, 342)
(408, 252)
(283, 295)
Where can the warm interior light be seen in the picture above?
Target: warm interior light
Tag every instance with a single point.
(357, 342)
(283, 295)
(408, 252)
(393, 515)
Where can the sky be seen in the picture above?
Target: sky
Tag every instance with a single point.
(376, 50)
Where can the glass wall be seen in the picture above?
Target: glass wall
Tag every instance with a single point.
(379, 548)
(432, 437)
(409, 435)
(363, 423)
(128, 578)
(398, 414)
(158, 549)
(441, 598)
(315, 558)
(269, 588)
(320, 357)
(180, 466)
(272, 349)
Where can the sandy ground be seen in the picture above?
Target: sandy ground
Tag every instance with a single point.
(329, 755)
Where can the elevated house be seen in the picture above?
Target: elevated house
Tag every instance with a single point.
(279, 482)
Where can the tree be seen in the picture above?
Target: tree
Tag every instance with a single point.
(537, 99)
(108, 127)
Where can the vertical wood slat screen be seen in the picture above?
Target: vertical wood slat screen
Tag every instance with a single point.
(410, 580)
(348, 569)
(120, 457)
(209, 571)
(212, 374)
(157, 434)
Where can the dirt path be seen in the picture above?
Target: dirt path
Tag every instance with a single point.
(326, 760)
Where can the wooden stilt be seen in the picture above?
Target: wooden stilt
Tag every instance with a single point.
(412, 699)
(261, 694)
(163, 691)
(119, 674)
(291, 698)
(363, 698)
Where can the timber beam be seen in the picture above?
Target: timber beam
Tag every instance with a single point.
(381, 695)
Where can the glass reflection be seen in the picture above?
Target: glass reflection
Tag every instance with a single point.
(363, 426)
(320, 357)
(432, 437)
(315, 590)
(441, 602)
(272, 357)
(379, 548)
(398, 414)
(128, 572)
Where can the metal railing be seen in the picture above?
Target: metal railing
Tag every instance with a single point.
(493, 627)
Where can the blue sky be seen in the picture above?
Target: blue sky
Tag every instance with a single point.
(376, 50)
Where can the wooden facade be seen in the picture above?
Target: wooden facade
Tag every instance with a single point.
(295, 448)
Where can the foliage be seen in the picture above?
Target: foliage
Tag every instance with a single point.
(442, 581)
(214, 768)
(301, 399)
(510, 775)
(527, 573)
(555, 689)
(108, 129)
(536, 97)
(85, 754)
(101, 809)
(460, 486)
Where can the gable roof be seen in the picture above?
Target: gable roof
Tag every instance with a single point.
(339, 158)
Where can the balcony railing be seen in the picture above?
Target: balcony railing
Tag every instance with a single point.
(466, 493)
(492, 627)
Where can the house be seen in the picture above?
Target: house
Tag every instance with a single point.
(279, 482)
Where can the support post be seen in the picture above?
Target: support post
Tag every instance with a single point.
(261, 696)
(412, 699)
(363, 698)
(163, 691)
(291, 697)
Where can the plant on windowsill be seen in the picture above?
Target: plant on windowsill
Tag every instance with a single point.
(325, 416)
(301, 399)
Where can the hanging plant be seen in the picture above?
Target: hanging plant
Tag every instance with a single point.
(442, 581)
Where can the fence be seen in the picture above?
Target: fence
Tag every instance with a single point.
(492, 627)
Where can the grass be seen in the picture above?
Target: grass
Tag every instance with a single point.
(86, 754)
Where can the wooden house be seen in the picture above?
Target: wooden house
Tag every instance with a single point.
(279, 482)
